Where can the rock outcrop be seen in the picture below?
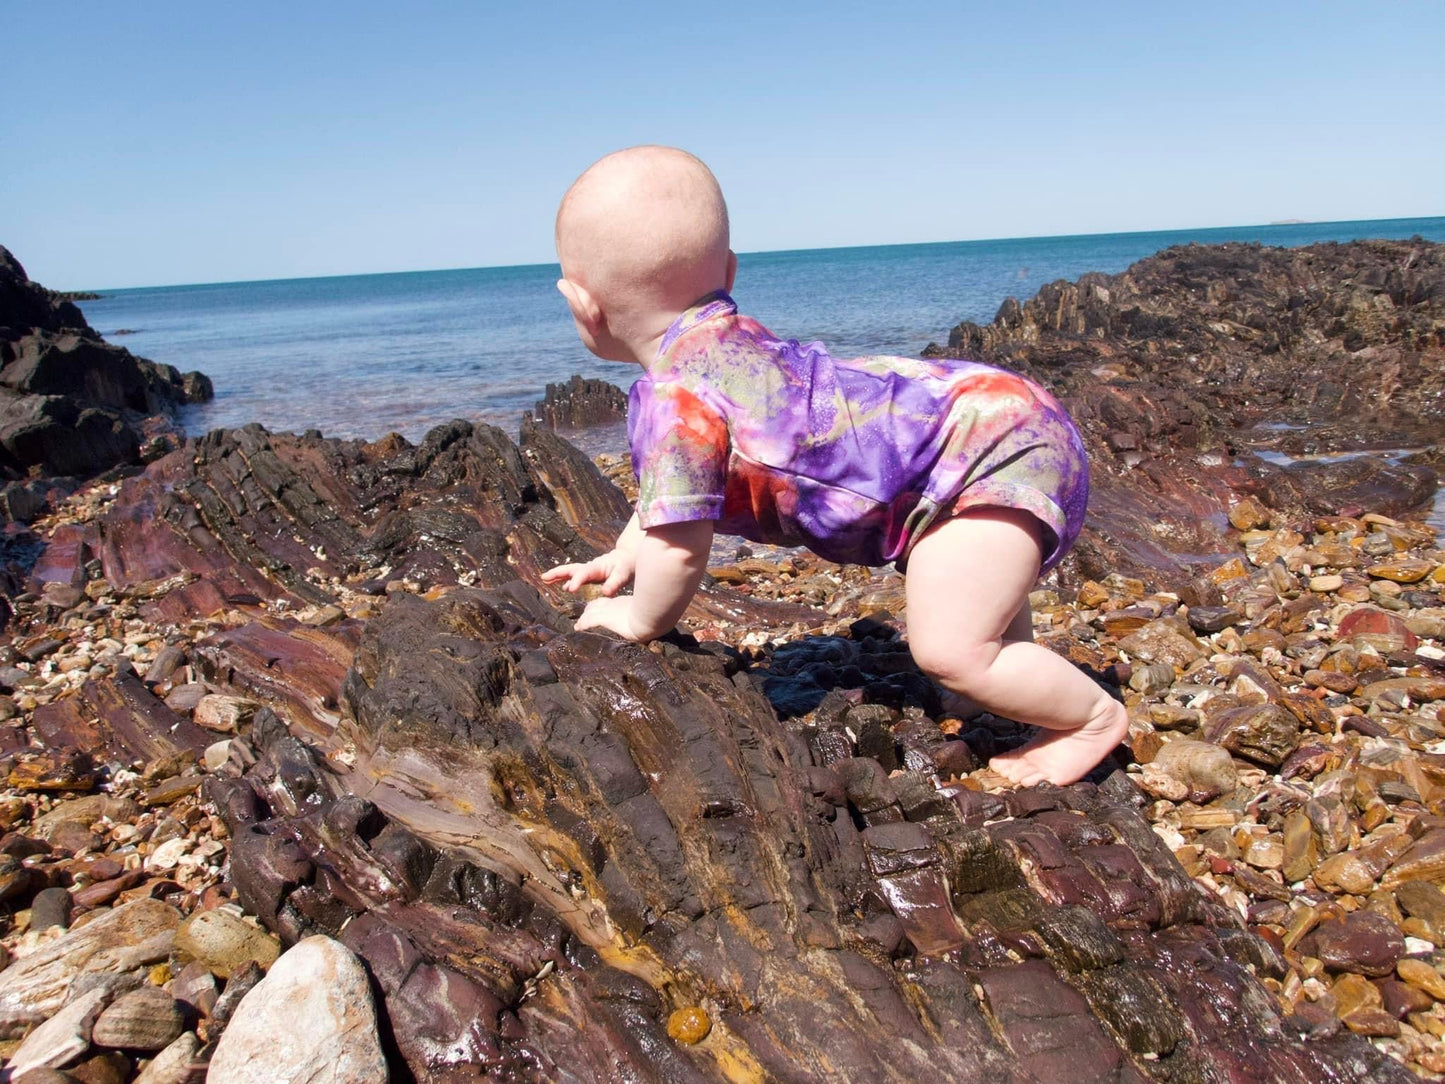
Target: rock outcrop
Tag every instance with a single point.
(71, 404)
(579, 403)
(1312, 379)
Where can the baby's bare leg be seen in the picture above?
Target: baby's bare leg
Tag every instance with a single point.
(968, 580)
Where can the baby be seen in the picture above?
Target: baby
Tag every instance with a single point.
(971, 478)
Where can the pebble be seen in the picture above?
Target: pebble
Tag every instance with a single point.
(1202, 766)
(311, 1018)
(1365, 943)
(51, 907)
(225, 942)
(226, 714)
(1420, 974)
(689, 1025)
(174, 1064)
(146, 1019)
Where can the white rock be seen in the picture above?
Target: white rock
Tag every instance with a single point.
(173, 1065)
(168, 853)
(310, 1019)
(216, 755)
(62, 1038)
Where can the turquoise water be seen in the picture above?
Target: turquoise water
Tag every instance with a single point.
(362, 355)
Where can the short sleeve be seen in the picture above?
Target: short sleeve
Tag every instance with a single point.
(679, 454)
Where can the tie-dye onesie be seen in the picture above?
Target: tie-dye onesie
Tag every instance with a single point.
(779, 442)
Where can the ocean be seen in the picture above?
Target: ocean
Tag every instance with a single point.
(364, 355)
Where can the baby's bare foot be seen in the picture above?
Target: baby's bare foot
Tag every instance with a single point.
(1065, 756)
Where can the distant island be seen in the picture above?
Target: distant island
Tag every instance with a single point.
(1290, 222)
(73, 295)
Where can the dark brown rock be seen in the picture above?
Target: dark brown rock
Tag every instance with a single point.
(1364, 943)
(1264, 733)
(579, 403)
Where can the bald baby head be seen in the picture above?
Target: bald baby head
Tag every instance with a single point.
(645, 230)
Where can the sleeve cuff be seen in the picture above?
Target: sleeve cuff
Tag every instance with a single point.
(666, 510)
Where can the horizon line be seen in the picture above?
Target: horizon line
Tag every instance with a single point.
(1279, 224)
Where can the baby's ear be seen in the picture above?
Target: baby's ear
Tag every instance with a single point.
(585, 309)
(732, 271)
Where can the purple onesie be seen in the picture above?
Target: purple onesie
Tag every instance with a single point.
(855, 459)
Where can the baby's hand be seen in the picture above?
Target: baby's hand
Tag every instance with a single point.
(612, 569)
(609, 613)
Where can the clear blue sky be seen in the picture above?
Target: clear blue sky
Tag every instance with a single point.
(148, 143)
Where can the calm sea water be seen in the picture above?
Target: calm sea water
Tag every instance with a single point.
(363, 355)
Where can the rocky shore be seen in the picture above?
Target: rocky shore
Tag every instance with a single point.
(73, 406)
(309, 776)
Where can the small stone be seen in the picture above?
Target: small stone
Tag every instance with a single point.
(1153, 678)
(1249, 515)
(216, 755)
(310, 1018)
(176, 1064)
(325, 615)
(167, 661)
(196, 986)
(1265, 852)
(1369, 626)
(1401, 569)
(1205, 768)
(1374, 1023)
(54, 770)
(1422, 976)
(1214, 618)
(1164, 641)
(144, 1019)
(225, 942)
(1424, 861)
(1364, 942)
(184, 698)
(1323, 584)
(690, 1025)
(1423, 900)
(168, 853)
(51, 907)
(1263, 733)
(226, 714)
(86, 811)
(1301, 848)
(1355, 992)
(35, 986)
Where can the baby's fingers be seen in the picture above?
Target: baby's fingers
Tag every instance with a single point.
(576, 576)
(616, 580)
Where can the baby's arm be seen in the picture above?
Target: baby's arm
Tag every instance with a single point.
(666, 562)
(670, 561)
(613, 569)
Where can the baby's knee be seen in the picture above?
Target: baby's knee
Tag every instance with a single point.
(960, 667)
